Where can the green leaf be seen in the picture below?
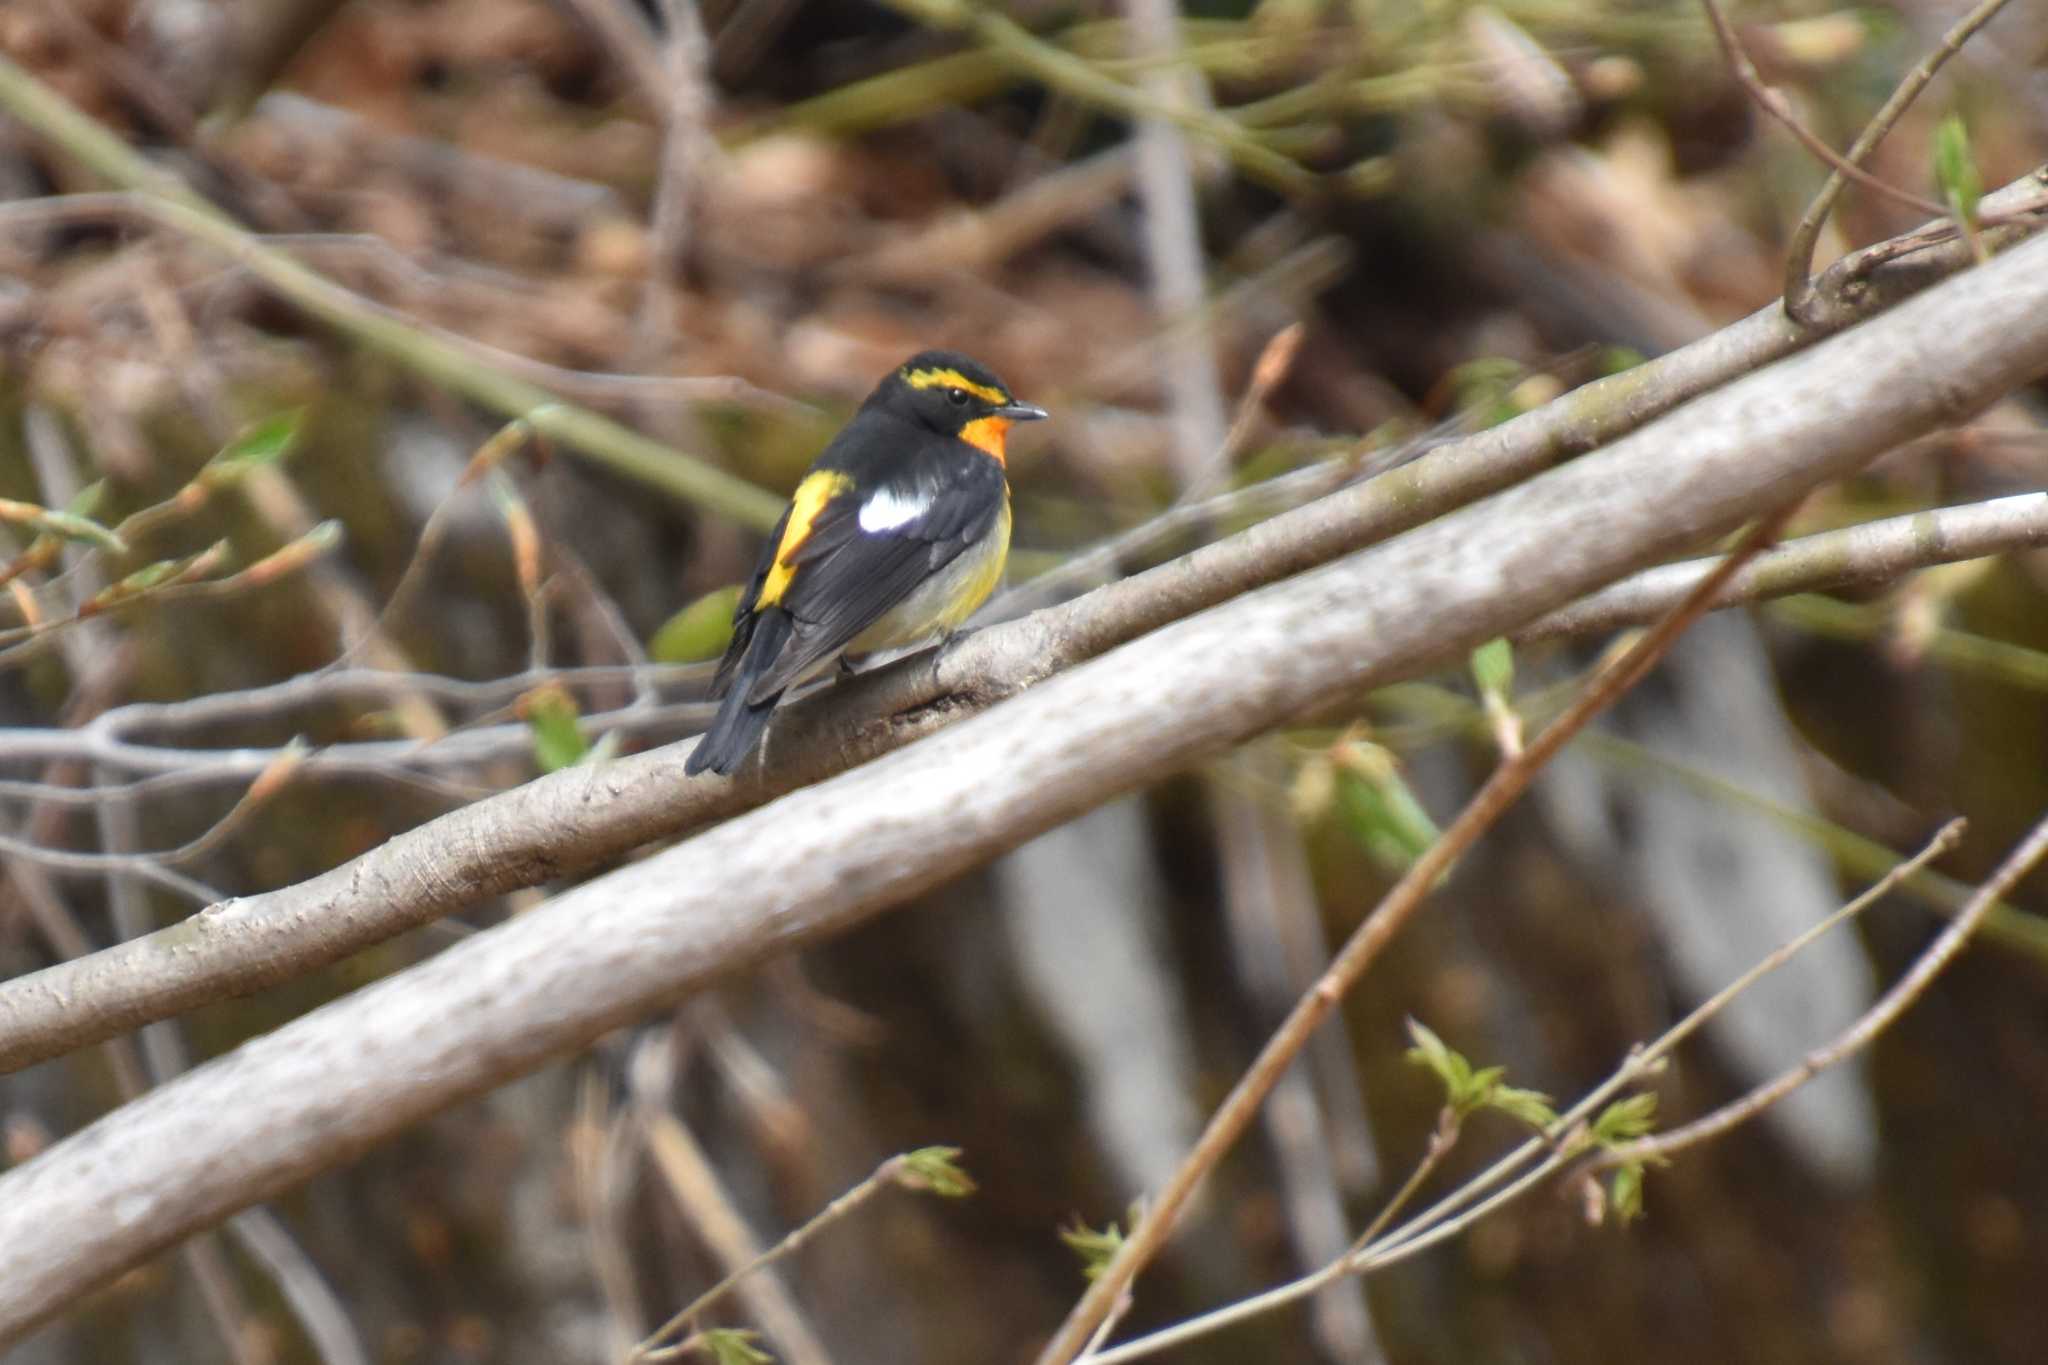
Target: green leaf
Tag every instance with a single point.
(1955, 170)
(1096, 1249)
(88, 500)
(1493, 667)
(1464, 1088)
(267, 442)
(68, 526)
(143, 579)
(1379, 809)
(733, 1346)
(63, 525)
(295, 554)
(1615, 359)
(1626, 1119)
(1485, 388)
(1467, 1090)
(936, 1170)
(698, 631)
(1625, 1192)
(1530, 1106)
(550, 713)
(1432, 1053)
(161, 574)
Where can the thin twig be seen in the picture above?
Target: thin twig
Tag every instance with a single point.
(1506, 784)
(1775, 104)
(174, 205)
(952, 782)
(402, 760)
(1861, 556)
(1110, 1321)
(1438, 1221)
(259, 791)
(92, 656)
(1896, 1001)
(1275, 360)
(22, 644)
(2009, 926)
(1117, 556)
(1472, 1201)
(695, 1186)
(325, 688)
(2019, 212)
(138, 865)
(1864, 555)
(1441, 1141)
(1799, 288)
(1483, 570)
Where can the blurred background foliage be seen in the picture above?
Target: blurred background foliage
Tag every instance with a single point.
(720, 241)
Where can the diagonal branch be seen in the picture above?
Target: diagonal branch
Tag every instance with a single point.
(500, 1003)
(581, 817)
(1370, 939)
(1801, 300)
(1863, 556)
(1903, 994)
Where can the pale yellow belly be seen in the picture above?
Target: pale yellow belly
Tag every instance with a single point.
(947, 598)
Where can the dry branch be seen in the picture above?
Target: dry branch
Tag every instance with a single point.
(320, 1090)
(1904, 993)
(573, 820)
(1800, 300)
(1402, 902)
(1377, 1248)
(1854, 557)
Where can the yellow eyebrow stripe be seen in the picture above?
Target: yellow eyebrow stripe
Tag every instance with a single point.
(953, 379)
(812, 495)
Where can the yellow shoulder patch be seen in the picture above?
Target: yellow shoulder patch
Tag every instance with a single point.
(953, 379)
(811, 497)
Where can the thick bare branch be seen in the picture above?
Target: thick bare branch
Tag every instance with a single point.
(576, 819)
(505, 1001)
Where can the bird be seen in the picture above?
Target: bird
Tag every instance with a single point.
(897, 533)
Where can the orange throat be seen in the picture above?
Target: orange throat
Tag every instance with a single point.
(986, 433)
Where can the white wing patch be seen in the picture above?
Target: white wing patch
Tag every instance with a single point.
(890, 508)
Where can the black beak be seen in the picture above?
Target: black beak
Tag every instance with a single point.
(1021, 412)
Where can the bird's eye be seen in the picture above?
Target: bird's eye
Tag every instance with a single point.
(957, 397)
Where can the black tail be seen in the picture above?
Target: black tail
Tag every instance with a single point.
(739, 723)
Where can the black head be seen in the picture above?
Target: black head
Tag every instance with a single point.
(950, 393)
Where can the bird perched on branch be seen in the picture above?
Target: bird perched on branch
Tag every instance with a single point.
(898, 532)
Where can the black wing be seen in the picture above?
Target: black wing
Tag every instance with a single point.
(743, 612)
(848, 575)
